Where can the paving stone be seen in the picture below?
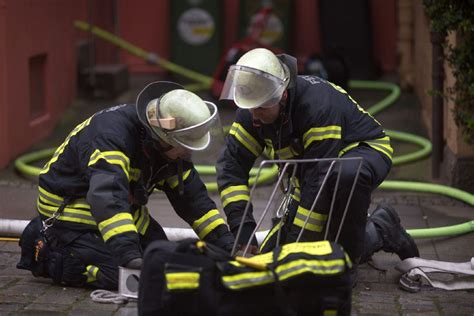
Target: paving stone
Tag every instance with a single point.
(44, 307)
(86, 303)
(6, 281)
(61, 295)
(131, 309)
(7, 306)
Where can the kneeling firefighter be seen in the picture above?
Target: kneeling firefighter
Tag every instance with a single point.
(94, 191)
(306, 117)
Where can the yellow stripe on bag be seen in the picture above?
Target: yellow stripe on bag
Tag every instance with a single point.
(182, 281)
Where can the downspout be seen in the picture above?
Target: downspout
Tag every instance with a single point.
(437, 125)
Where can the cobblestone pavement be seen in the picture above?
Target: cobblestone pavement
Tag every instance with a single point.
(376, 293)
(377, 290)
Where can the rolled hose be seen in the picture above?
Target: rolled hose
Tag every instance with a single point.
(204, 82)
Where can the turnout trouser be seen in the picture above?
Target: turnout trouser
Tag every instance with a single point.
(374, 169)
(75, 258)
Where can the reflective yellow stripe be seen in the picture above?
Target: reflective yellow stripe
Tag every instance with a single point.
(182, 281)
(270, 234)
(60, 149)
(56, 200)
(235, 193)
(380, 144)
(296, 195)
(69, 214)
(315, 221)
(286, 153)
(117, 224)
(91, 273)
(269, 150)
(353, 101)
(285, 271)
(245, 139)
(134, 174)
(141, 219)
(321, 133)
(207, 223)
(173, 180)
(113, 158)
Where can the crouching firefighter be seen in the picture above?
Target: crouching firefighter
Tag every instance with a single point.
(306, 117)
(94, 191)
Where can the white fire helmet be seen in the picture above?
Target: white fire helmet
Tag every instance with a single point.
(258, 79)
(176, 116)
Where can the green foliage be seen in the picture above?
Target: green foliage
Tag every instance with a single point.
(458, 16)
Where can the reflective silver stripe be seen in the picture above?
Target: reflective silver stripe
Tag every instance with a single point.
(72, 215)
(321, 133)
(245, 139)
(119, 223)
(143, 220)
(311, 221)
(285, 271)
(235, 193)
(202, 227)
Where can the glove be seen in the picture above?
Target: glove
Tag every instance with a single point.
(134, 264)
(251, 251)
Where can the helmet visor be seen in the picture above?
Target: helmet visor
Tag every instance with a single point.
(251, 88)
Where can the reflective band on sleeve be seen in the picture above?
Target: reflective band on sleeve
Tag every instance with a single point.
(381, 144)
(117, 224)
(245, 139)
(173, 180)
(315, 221)
(60, 149)
(113, 158)
(182, 281)
(321, 133)
(207, 223)
(235, 193)
(141, 219)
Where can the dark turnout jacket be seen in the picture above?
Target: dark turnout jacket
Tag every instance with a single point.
(319, 120)
(103, 174)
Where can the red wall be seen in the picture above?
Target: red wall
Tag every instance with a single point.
(4, 127)
(29, 28)
(147, 26)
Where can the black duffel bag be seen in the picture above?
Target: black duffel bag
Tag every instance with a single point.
(194, 278)
(180, 278)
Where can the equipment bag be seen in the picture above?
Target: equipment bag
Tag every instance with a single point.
(194, 278)
(180, 278)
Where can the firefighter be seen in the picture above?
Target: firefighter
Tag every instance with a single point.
(94, 191)
(306, 117)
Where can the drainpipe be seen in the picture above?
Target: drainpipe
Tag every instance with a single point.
(437, 126)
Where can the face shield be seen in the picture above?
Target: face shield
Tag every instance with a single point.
(251, 88)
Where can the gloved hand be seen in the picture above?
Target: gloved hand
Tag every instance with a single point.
(134, 264)
(251, 251)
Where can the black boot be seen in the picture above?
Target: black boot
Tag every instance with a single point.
(384, 231)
